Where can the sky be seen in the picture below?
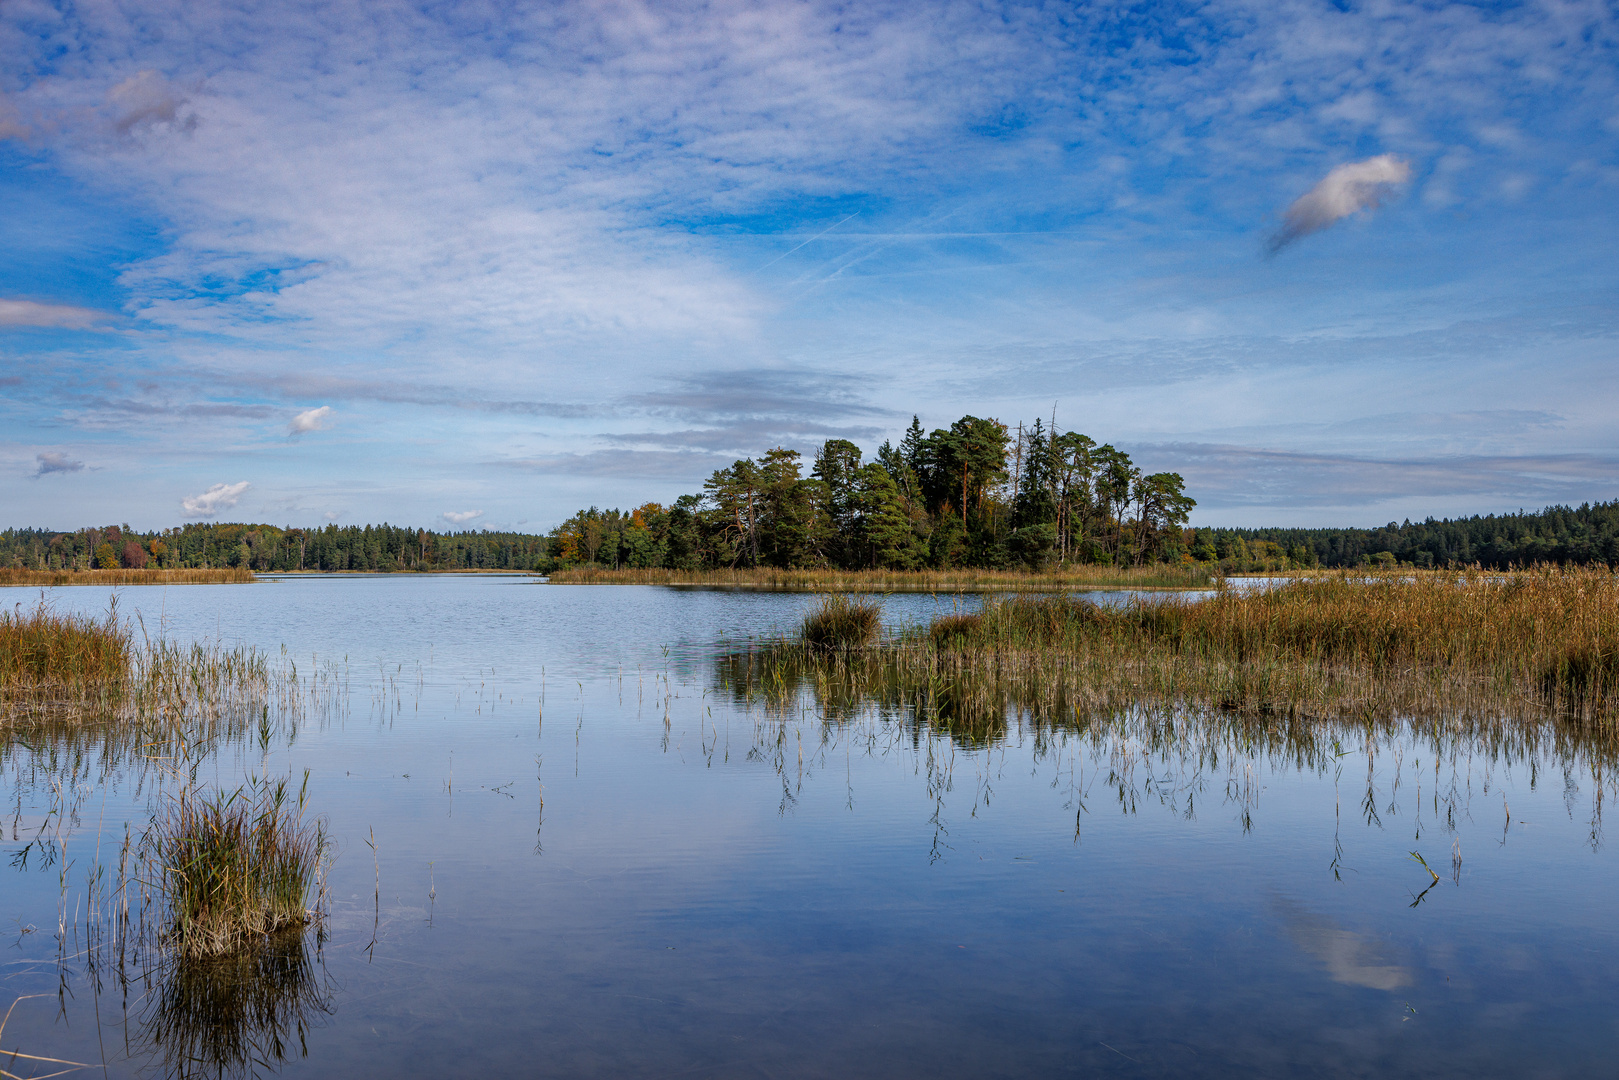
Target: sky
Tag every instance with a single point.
(479, 265)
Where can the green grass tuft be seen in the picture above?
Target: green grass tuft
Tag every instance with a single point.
(235, 868)
(841, 623)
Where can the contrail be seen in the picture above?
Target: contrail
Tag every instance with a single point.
(811, 240)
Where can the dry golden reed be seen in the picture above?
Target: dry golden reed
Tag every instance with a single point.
(48, 659)
(224, 576)
(1522, 644)
(63, 671)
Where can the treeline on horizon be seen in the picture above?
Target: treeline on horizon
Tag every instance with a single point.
(976, 494)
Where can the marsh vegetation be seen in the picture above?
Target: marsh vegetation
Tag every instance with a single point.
(238, 575)
(235, 868)
(220, 880)
(1521, 644)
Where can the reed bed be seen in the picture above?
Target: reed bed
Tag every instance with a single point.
(236, 868)
(94, 671)
(1167, 576)
(51, 660)
(1521, 644)
(230, 575)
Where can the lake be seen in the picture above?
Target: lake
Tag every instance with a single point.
(566, 847)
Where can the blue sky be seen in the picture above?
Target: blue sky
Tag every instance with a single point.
(460, 262)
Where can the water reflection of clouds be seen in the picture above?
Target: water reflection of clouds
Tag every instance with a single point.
(1350, 958)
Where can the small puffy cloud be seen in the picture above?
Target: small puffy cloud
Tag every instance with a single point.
(56, 461)
(1347, 189)
(461, 517)
(147, 99)
(217, 498)
(32, 313)
(311, 420)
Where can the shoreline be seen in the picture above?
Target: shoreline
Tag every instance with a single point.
(1167, 578)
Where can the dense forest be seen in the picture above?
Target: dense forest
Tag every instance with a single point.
(1557, 534)
(266, 547)
(975, 494)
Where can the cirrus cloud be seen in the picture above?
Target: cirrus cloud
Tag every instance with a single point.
(217, 498)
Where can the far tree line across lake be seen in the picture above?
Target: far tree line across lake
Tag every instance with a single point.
(977, 494)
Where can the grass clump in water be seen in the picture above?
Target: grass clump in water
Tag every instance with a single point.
(236, 868)
(841, 623)
(955, 630)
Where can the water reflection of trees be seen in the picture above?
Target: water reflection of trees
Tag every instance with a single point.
(1134, 754)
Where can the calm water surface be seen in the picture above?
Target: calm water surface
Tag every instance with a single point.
(594, 861)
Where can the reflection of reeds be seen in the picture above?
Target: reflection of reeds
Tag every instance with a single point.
(841, 623)
(810, 711)
(237, 1014)
(234, 868)
(222, 576)
(1163, 576)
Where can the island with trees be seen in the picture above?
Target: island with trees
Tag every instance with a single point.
(979, 494)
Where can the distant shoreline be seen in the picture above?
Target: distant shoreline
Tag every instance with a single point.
(1163, 576)
(237, 575)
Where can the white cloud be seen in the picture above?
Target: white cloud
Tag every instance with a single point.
(1347, 189)
(147, 99)
(11, 126)
(217, 498)
(32, 313)
(53, 461)
(461, 517)
(311, 420)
